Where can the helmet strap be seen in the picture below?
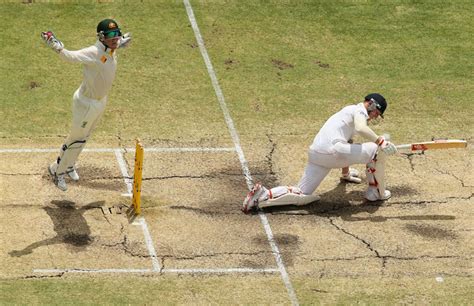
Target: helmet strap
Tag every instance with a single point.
(101, 38)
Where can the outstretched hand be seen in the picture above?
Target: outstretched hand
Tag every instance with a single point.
(125, 40)
(51, 41)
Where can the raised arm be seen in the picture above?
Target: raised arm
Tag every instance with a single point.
(86, 55)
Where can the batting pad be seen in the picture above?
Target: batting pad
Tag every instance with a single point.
(290, 199)
(69, 155)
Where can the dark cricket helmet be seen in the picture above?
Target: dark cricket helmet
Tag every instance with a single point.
(378, 100)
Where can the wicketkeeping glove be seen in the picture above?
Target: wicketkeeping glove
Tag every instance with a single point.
(125, 40)
(52, 42)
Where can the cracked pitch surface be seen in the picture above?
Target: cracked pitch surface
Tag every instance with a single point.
(191, 202)
(425, 229)
(45, 228)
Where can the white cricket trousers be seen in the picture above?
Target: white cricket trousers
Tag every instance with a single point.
(345, 154)
(86, 113)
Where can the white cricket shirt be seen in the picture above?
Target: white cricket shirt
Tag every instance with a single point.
(100, 64)
(339, 127)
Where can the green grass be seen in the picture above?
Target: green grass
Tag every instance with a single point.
(416, 53)
(160, 83)
(242, 290)
(164, 289)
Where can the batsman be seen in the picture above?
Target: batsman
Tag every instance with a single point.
(99, 65)
(333, 148)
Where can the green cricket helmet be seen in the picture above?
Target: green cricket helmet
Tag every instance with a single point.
(108, 28)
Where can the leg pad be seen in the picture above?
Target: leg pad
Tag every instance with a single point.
(290, 199)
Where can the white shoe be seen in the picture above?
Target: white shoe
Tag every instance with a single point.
(71, 171)
(251, 200)
(351, 177)
(353, 172)
(58, 180)
(372, 194)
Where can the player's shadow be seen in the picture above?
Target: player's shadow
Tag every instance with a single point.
(337, 203)
(69, 224)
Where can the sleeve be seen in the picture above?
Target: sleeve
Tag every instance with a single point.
(85, 56)
(361, 127)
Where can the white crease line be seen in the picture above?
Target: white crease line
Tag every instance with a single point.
(219, 94)
(92, 270)
(229, 270)
(238, 148)
(123, 169)
(180, 150)
(176, 271)
(102, 150)
(141, 220)
(149, 243)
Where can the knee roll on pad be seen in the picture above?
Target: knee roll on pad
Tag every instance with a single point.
(69, 155)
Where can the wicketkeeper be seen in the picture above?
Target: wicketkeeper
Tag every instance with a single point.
(333, 148)
(89, 100)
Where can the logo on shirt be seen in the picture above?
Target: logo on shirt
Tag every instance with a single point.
(103, 59)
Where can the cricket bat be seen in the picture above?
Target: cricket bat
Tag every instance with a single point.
(435, 144)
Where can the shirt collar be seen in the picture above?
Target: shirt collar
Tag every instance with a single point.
(104, 48)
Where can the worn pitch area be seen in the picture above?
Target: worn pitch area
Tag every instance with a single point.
(83, 228)
(191, 201)
(424, 230)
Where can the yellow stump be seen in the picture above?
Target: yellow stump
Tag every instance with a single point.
(137, 177)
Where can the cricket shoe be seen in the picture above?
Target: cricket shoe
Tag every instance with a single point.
(71, 171)
(372, 194)
(58, 180)
(352, 176)
(251, 200)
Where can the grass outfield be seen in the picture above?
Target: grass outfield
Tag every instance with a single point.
(284, 67)
(238, 290)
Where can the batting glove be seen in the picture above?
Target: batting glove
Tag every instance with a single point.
(125, 40)
(52, 42)
(386, 146)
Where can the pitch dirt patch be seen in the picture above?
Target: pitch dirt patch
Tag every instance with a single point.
(423, 230)
(192, 201)
(193, 205)
(45, 228)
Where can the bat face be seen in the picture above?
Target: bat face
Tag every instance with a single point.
(436, 144)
